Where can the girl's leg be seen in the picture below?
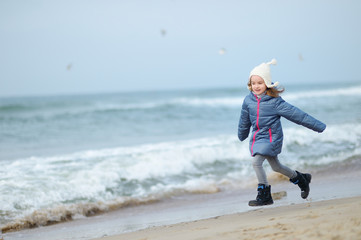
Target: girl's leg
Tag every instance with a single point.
(278, 167)
(258, 168)
(264, 196)
(301, 179)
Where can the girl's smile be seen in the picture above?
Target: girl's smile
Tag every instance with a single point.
(258, 85)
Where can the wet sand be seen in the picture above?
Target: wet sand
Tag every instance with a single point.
(330, 219)
(333, 211)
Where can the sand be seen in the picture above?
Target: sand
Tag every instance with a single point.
(330, 219)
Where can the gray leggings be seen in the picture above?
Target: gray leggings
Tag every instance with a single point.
(275, 165)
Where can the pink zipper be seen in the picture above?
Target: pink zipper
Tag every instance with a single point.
(270, 135)
(254, 136)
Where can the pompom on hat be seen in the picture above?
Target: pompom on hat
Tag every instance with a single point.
(264, 71)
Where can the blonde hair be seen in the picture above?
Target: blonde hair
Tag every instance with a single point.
(273, 92)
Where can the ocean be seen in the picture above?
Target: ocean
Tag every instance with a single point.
(69, 157)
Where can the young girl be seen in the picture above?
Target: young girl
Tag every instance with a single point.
(262, 109)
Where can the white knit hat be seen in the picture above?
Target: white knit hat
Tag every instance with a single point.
(264, 71)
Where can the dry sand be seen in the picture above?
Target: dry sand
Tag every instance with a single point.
(331, 219)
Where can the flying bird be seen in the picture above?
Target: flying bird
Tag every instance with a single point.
(300, 57)
(222, 51)
(163, 32)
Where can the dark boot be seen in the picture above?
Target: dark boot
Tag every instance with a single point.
(302, 180)
(263, 197)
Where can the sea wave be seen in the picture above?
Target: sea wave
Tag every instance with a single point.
(39, 191)
(59, 108)
(103, 175)
(63, 212)
(237, 101)
(155, 171)
(234, 101)
(347, 91)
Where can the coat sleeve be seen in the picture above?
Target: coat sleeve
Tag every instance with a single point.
(244, 124)
(297, 116)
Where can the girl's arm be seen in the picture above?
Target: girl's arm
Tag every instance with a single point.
(244, 123)
(298, 116)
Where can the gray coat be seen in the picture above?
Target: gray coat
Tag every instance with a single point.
(264, 114)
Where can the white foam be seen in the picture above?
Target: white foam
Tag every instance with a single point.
(349, 91)
(338, 142)
(210, 102)
(226, 101)
(237, 101)
(167, 168)
(39, 182)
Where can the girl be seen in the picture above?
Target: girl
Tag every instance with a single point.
(262, 109)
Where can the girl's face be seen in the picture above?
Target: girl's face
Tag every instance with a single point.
(258, 85)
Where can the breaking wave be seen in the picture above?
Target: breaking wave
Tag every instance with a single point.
(61, 188)
(85, 107)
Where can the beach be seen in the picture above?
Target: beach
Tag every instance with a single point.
(338, 217)
(330, 219)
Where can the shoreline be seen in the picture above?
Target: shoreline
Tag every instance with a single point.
(329, 219)
(194, 207)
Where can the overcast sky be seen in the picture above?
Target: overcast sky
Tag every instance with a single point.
(87, 46)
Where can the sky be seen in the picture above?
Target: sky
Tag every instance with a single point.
(96, 46)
